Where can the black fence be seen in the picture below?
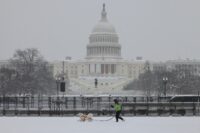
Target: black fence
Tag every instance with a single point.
(98, 105)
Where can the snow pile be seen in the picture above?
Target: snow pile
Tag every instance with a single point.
(72, 124)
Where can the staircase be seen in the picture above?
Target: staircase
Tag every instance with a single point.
(104, 85)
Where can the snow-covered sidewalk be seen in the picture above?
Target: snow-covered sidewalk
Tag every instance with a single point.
(72, 125)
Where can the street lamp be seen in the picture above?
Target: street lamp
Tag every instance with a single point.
(165, 79)
(57, 84)
(95, 82)
(62, 85)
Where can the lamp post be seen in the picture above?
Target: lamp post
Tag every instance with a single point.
(95, 82)
(165, 79)
(62, 85)
(57, 84)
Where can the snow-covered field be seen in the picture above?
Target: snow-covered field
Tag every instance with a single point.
(72, 125)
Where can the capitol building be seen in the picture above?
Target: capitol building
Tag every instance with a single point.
(103, 63)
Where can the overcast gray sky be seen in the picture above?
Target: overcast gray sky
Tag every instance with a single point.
(154, 29)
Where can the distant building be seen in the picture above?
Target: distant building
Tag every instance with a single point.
(4, 63)
(159, 66)
(193, 66)
(103, 62)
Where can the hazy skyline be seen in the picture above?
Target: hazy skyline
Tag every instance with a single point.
(154, 29)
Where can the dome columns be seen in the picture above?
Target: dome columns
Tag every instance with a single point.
(103, 51)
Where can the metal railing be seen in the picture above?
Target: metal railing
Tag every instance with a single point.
(98, 105)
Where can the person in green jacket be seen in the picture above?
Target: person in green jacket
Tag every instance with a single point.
(118, 108)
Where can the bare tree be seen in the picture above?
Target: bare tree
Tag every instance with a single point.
(179, 82)
(6, 77)
(32, 74)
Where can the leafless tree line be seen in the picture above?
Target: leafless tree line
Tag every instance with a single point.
(179, 81)
(27, 73)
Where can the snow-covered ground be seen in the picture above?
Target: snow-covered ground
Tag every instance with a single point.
(72, 125)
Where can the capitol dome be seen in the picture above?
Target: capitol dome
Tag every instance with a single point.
(104, 27)
(103, 41)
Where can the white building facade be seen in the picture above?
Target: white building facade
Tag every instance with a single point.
(193, 66)
(4, 64)
(103, 62)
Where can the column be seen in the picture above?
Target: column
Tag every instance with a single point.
(118, 51)
(109, 68)
(95, 68)
(106, 68)
(89, 68)
(99, 53)
(98, 68)
(102, 68)
(112, 68)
